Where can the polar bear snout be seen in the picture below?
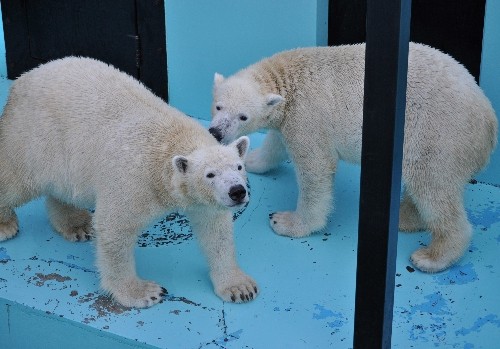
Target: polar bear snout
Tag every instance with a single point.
(237, 193)
(216, 133)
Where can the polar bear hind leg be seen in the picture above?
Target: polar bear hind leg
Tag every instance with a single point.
(444, 214)
(409, 217)
(72, 223)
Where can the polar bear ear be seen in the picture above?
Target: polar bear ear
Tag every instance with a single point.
(242, 144)
(218, 78)
(273, 99)
(180, 163)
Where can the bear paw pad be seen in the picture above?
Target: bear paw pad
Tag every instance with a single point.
(288, 224)
(241, 289)
(425, 260)
(139, 294)
(83, 233)
(255, 164)
(9, 228)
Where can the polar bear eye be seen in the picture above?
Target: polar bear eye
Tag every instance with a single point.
(243, 117)
(218, 107)
(240, 167)
(210, 175)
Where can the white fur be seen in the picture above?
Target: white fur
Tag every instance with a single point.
(86, 135)
(450, 132)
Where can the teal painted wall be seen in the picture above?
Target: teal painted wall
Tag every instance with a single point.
(204, 37)
(490, 76)
(490, 62)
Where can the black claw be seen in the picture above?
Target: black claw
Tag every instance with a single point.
(255, 289)
(247, 298)
(78, 238)
(242, 297)
(274, 222)
(233, 298)
(251, 295)
(153, 298)
(164, 291)
(271, 215)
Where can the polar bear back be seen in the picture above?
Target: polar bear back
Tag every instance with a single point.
(447, 110)
(323, 92)
(78, 120)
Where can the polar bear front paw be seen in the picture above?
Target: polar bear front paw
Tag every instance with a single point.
(288, 224)
(82, 233)
(139, 293)
(9, 228)
(428, 262)
(238, 288)
(72, 223)
(255, 163)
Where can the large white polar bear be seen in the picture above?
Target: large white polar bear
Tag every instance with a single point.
(311, 101)
(86, 135)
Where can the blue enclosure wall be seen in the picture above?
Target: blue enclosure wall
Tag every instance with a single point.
(204, 37)
(490, 76)
(225, 35)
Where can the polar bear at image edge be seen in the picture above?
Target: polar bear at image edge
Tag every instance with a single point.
(86, 135)
(311, 102)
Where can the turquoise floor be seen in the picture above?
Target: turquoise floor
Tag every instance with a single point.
(50, 298)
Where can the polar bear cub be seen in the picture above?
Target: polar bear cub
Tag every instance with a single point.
(311, 102)
(86, 135)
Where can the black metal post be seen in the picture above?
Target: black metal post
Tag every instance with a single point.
(387, 36)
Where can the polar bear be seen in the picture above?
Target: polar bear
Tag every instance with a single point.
(311, 102)
(86, 135)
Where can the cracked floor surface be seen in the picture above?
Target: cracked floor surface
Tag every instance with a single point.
(50, 297)
(307, 285)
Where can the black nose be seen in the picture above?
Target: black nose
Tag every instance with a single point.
(237, 193)
(216, 133)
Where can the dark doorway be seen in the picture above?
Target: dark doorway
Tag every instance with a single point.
(129, 34)
(453, 26)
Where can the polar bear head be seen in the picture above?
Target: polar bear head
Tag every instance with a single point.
(213, 175)
(239, 107)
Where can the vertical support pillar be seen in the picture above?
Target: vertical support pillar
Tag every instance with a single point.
(387, 36)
